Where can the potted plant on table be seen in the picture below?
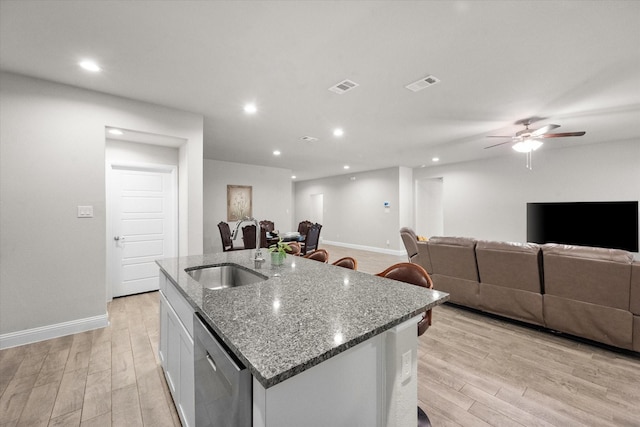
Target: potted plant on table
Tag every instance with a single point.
(279, 252)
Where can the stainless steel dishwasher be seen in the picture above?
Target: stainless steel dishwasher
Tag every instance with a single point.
(223, 385)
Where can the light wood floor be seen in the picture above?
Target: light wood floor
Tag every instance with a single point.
(473, 370)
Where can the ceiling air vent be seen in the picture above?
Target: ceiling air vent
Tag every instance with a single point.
(309, 139)
(343, 86)
(423, 83)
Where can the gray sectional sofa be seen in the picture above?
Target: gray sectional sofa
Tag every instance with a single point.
(592, 293)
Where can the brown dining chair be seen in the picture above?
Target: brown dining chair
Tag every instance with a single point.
(346, 262)
(415, 275)
(312, 239)
(225, 235)
(318, 255)
(249, 236)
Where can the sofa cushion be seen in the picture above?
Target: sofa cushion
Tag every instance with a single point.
(513, 303)
(511, 265)
(593, 321)
(634, 303)
(594, 275)
(463, 292)
(454, 256)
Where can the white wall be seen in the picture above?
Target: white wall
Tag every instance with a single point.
(52, 159)
(354, 212)
(271, 192)
(483, 199)
(487, 199)
(125, 151)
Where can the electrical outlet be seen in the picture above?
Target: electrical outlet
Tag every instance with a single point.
(406, 366)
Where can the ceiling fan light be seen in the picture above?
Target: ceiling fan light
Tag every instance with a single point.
(527, 145)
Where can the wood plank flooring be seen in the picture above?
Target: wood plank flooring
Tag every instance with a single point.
(105, 377)
(473, 370)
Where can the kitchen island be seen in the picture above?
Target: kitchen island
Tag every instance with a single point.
(324, 342)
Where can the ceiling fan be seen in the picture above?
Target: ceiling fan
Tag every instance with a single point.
(527, 139)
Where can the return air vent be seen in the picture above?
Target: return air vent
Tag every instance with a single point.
(343, 86)
(309, 139)
(423, 83)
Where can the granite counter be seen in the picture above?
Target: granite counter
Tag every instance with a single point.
(303, 314)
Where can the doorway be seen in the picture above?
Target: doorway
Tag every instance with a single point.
(429, 208)
(142, 225)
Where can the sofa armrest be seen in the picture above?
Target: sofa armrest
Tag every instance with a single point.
(422, 258)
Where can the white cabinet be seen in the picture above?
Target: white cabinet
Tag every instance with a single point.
(176, 349)
(373, 384)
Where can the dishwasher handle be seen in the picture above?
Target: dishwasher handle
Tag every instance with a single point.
(211, 362)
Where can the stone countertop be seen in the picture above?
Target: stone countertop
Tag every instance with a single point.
(305, 313)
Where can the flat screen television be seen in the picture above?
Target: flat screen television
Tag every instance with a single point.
(611, 225)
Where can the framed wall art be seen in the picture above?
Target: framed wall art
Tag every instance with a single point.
(239, 204)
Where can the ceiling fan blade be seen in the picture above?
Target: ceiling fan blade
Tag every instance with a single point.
(560, 135)
(543, 130)
(502, 143)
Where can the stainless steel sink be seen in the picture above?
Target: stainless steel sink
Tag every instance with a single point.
(225, 276)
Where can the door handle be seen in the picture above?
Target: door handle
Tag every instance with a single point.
(118, 238)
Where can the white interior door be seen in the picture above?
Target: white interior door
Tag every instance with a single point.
(143, 206)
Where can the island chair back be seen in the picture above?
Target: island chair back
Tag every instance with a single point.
(416, 275)
(318, 255)
(295, 248)
(346, 262)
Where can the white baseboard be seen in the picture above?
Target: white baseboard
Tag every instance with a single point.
(28, 336)
(367, 248)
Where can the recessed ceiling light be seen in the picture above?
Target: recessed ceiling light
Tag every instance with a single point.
(293, 177)
(250, 108)
(435, 159)
(338, 132)
(90, 66)
(346, 166)
(115, 132)
(276, 153)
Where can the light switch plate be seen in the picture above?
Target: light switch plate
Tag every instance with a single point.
(85, 211)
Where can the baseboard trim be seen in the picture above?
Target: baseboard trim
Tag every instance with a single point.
(367, 248)
(28, 336)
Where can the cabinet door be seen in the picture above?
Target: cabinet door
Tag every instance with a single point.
(164, 320)
(187, 382)
(173, 354)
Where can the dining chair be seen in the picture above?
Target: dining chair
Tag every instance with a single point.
(303, 227)
(225, 235)
(312, 239)
(318, 255)
(268, 225)
(415, 275)
(249, 236)
(346, 262)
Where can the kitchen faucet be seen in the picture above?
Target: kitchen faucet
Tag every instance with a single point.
(258, 257)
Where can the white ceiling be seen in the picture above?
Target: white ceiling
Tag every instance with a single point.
(576, 63)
